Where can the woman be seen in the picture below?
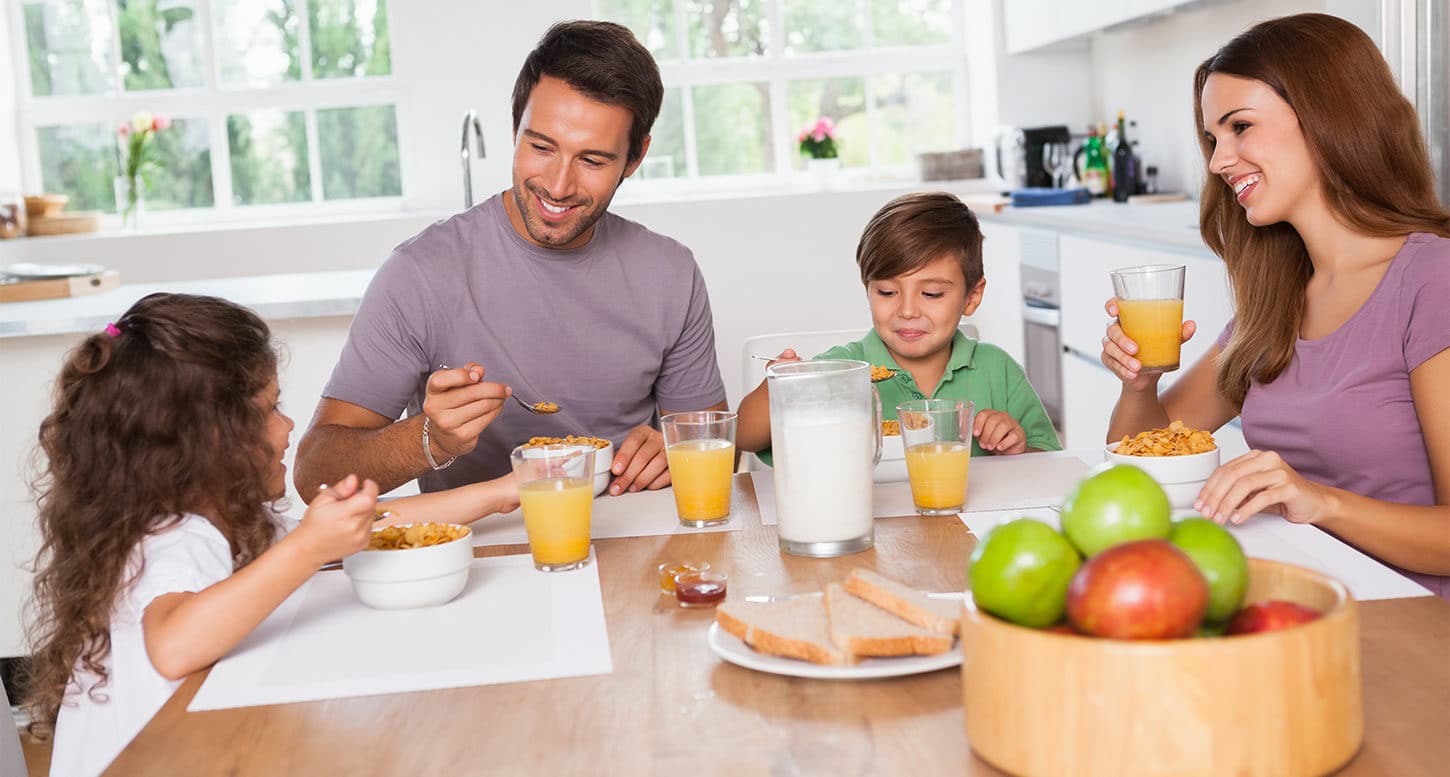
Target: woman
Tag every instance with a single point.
(1320, 201)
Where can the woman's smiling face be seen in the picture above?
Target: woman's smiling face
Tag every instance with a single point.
(1259, 150)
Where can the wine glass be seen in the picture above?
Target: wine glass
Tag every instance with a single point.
(1057, 162)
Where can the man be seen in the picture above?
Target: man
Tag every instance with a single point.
(538, 288)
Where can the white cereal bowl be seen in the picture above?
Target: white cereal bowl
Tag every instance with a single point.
(892, 467)
(413, 577)
(603, 457)
(1181, 477)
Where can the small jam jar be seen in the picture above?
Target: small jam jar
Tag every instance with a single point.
(700, 589)
(668, 570)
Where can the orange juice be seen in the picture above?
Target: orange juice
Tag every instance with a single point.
(556, 517)
(700, 471)
(938, 473)
(1156, 325)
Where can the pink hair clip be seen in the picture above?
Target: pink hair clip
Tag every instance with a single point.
(112, 330)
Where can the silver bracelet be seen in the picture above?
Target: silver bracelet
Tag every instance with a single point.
(428, 451)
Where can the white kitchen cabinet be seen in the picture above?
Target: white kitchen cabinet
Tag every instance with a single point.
(999, 319)
(1032, 24)
(1089, 392)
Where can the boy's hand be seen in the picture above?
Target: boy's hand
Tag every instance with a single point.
(339, 521)
(999, 433)
(788, 355)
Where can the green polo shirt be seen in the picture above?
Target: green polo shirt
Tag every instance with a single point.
(979, 372)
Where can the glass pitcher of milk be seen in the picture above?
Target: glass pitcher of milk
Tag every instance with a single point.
(825, 436)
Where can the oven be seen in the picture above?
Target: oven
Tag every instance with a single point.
(1041, 317)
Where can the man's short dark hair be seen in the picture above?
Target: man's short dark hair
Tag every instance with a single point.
(602, 61)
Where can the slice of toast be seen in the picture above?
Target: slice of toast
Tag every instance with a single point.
(940, 615)
(793, 628)
(862, 629)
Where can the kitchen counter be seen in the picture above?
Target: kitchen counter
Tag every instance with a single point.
(1168, 224)
(273, 297)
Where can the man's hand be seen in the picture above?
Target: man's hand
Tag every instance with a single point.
(459, 405)
(640, 462)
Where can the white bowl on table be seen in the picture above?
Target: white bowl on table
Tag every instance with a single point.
(1182, 477)
(892, 467)
(603, 457)
(411, 577)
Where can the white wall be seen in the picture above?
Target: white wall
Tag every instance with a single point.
(1147, 69)
(1043, 87)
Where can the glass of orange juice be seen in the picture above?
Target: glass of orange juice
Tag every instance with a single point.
(937, 434)
(1150, 310)
(700, 448)
(556, 492)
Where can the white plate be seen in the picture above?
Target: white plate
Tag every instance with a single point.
(32, 270)
(730, 648)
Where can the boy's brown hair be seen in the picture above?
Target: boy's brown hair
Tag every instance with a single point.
(915, 229)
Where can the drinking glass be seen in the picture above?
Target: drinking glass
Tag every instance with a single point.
(937, 434)
(700, 448)
(1150, 311)
(556, 492)
(1057, 162)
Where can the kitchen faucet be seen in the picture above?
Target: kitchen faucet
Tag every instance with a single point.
(470, 119)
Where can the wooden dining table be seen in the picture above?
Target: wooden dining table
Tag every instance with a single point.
(672, 708)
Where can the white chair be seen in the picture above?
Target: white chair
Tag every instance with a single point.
(12, 758)
(806, 345)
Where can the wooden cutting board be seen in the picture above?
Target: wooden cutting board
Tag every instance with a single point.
(14, 289)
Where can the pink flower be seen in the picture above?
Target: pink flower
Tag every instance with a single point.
(819, 134)
(123, 130)
(160, 123)
(801, 138)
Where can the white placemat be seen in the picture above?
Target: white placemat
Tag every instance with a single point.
(994, 483)
(1270, 537)
(640, 514)
(512, 623)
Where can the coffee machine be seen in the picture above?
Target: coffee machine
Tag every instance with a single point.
(1019, 154)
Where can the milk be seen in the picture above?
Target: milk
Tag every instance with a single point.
(823, 462)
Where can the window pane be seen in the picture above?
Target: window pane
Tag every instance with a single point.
(824, 25)
(653, 22)
(914, 114)
(911, 22)
(359, 148)
(69, 44)
(182, 178)
(732, 128)
(738, 30)
(269, 157)
(256, 41)
(841, 99)
(158, 44)
(666, 155)
(80, 161)
(349, 38)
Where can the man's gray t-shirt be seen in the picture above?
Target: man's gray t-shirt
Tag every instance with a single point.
(609, 331)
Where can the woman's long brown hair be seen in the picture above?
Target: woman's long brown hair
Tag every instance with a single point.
(1373, 168)
(155, 422)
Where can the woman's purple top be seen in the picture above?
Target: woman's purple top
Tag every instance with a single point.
(1341, 413)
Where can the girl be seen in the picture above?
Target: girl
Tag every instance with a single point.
(1320, 201)
(159, 548)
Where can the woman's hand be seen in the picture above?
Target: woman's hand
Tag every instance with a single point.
(1260, 481)
(1119, 349)
(999, 433)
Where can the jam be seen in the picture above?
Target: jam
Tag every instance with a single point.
(668, 571)
(700, 589)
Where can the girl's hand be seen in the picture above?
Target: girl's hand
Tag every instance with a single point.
(1260, 481)
(506, 493)
(339, 521)
(999, 433)
(1119, 349)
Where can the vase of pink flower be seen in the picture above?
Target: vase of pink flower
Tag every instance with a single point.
(137, 141)
(817, 143)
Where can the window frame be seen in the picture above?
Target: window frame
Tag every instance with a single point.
(778, 69)
(213, 102)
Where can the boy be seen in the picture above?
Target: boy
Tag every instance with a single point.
(921, 262)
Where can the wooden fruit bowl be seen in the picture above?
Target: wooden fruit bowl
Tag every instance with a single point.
(1279, 704)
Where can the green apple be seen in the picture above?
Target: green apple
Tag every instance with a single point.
(1219, 557)
(1113, 505)
(1020, 572)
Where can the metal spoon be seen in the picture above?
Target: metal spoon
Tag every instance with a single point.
(537, 408)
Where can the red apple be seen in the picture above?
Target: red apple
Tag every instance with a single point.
(1269, 616)
(1146, 589)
